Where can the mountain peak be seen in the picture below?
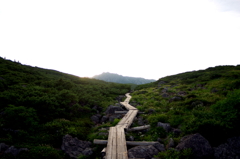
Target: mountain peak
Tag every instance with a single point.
(116, 78)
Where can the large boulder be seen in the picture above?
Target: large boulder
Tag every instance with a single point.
(231, 149)
(146, 152)
(111, 109)
(200, 147)
(74, 147)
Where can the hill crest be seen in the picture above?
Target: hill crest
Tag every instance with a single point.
(116, 78)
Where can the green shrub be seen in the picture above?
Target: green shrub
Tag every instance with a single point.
(20, 117)
(155, 118)
(174, 154)
(40, 152)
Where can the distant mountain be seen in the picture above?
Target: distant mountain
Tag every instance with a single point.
(112, 77)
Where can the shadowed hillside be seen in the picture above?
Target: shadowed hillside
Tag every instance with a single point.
(39, 106)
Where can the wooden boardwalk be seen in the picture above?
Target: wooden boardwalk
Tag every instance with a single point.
(116, 145)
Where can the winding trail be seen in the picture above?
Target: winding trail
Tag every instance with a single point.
(116, 146)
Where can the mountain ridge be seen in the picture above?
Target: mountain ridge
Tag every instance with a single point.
(116, 78)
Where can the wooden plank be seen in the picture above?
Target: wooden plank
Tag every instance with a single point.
(139, 128)
(130, 143)
(120, 112)
(111, 145)
(121, 147)
(114, 144)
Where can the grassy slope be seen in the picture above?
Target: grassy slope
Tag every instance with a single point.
(39, 106)
(209, 103)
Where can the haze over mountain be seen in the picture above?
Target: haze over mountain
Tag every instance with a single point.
(116, 78)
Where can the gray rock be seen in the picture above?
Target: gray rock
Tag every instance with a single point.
(214, 90)
(160, 83)
(159, 147)
(140, 121)
(176, 132)
(74, 147)
(201, 148)
(165, 90)
(130, 138)
(3, 147)
(111, 109)
(104, 119)
(120, 98)
(171, 143)
(97, 108)
(95, 119)
(150, 111)
(197, 104)
(182, 93)
(165, 95)
(160, 140)
(230, 149)
(112, 117)
(103, 134)
(165, 126)
(146, 152)
(118, 104)
(87, 152)
(14, 151)
(176, 98)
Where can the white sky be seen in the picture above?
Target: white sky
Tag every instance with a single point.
(149, 39)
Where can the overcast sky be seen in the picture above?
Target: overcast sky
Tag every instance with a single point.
(149, 39)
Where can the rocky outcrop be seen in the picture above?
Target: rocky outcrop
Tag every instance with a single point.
(74, 147)
(200, 147)
(11, 149)
(231, 149)
(146, 152)
(111, 109)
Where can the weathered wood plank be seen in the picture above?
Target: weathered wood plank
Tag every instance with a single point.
(130, 143)
(111, 150)
(139, 128)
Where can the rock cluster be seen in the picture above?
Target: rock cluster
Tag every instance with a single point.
(198, 144)
(231, 149)
(74, 147)
(109, 115)
(146, 152)
(11, 149)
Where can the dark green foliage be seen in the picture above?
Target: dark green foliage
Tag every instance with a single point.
(20, 117)
(209, 105)
(227, 111)
(40, 106)
(174, 154)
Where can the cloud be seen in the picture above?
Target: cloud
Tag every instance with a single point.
(228, 5)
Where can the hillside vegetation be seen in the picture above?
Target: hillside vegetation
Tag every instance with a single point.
(112, 77)
(204, 101)
(39, 106)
